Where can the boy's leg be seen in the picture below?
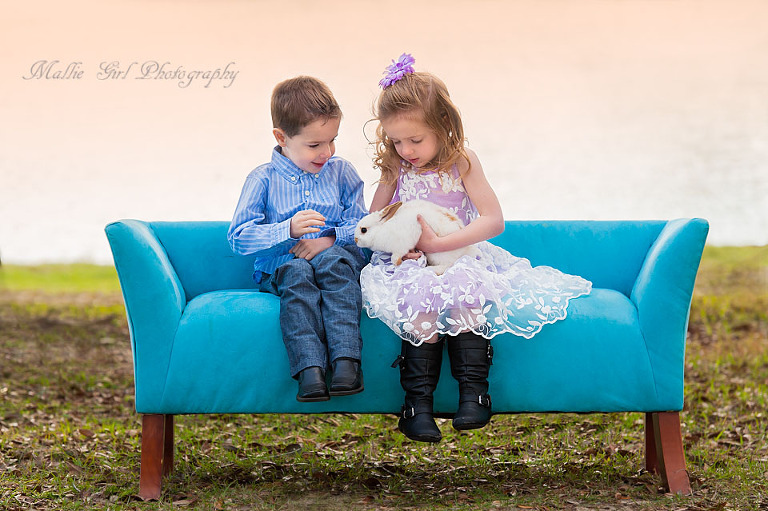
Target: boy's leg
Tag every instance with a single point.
(300, 319)
(337, 273)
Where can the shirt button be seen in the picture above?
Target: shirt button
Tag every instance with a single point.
(306, 193)
(316, 175)
(293, 178)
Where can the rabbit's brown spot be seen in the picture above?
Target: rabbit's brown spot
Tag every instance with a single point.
(390, 211)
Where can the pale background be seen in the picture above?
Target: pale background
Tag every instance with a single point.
(578, 109)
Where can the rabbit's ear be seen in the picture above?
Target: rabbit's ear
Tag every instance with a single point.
(390, 211)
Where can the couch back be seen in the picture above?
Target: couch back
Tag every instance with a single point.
(609, 253)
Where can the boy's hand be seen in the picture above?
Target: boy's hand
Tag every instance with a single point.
(305, 222)
(307, 249)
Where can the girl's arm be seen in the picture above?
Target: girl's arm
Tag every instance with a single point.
(488, 224)
(382, 196)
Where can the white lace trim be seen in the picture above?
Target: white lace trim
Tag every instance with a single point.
(489, 295)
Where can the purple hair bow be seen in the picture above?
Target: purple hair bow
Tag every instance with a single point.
(399, 68)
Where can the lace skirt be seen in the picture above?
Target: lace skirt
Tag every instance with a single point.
(491, 294)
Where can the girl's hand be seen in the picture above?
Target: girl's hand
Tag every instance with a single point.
(305, 222)
(413, 254)
(307, 249)
(429, 242)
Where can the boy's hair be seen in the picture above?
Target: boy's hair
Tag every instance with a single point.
(423, 96)
(299, 101)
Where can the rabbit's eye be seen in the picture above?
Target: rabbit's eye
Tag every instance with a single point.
(363, 230)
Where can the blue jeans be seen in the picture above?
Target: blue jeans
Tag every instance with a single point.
(320, 306)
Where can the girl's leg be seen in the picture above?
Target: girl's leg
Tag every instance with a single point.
(470, 356)
(419, 374)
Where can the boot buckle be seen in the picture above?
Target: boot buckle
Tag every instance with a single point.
(408, 412)
(484, 400)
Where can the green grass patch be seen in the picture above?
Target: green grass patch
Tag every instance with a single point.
(59, 278)
(731, 297)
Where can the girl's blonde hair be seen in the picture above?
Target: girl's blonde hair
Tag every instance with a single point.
(423, 96)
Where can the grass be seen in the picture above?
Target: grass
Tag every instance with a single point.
(69, 436)
(60, 278)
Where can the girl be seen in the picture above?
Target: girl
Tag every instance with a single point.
(421, 154)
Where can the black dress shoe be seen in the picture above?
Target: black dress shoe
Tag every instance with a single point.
(347, 377)
(312, 385)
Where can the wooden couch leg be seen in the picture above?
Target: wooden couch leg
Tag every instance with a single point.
(667, 457)
(168, 446)
(154, 447)
(651, 462)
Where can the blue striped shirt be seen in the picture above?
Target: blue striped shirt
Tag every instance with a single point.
(276, 191)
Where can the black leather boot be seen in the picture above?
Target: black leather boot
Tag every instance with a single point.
(470, 357)
(419, 374)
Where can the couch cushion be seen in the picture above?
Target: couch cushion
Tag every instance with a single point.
(595, 360)
(245, 367)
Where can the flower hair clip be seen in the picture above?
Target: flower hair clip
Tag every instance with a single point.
(399, 68)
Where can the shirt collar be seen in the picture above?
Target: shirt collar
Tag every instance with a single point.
(286, 168)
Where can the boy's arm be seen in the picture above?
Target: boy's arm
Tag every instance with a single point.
(248, 233)
(354, 206)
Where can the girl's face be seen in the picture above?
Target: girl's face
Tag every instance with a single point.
(414, 141)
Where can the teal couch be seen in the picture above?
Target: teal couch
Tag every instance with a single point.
(204, 340)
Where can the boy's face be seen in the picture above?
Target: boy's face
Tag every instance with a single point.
(311, 147)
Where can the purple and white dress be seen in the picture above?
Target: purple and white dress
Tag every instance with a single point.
(490, 294)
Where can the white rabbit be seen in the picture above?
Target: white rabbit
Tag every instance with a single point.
(395, 229)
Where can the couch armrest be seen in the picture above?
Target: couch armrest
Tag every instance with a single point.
(662, 294)
(154, 301)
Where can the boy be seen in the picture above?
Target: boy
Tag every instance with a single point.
(298, 214)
